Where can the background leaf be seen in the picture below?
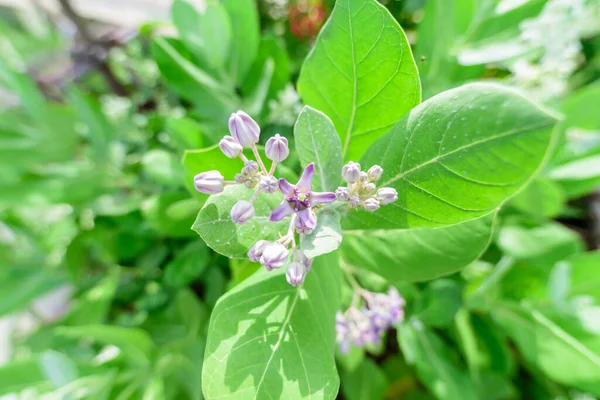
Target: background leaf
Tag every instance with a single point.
(326, 237)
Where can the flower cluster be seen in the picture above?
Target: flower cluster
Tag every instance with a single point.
(300, 202)
(361, 190)
(367, 325)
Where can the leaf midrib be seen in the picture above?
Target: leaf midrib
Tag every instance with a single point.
(354, 82)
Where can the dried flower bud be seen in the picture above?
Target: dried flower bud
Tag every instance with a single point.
(368, 188)
(354, 201)
(342, 193)
(295, 273)
(277, 148)
(210, 182)
(251, 182)
(242, 212)
(230, 147)
(375, 173)
(243, 128)
(300, 257)
(256, 251)
(274, 256)
(269, 184)
(250, 167)
(371, 204)
(387, 195)
(351, 172)
(363, 177)
(306, 222)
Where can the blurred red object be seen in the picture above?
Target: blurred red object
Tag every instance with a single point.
(306, 18)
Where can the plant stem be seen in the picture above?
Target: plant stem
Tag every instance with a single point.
(258, 158)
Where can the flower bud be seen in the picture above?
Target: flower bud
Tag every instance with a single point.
(387, 195)
(277, 148)
(240, 178)
(363, 177)
(354, 201)
(269, 184)
(243, 128)
(342, 193)
(230, 147)
(257, 250)
(250, 167)
(300, 257)
(375, 173)
(371, 204)
(295, 273)
(242, 212)
(306, 222)
(274, 256)
(351, 172)
(210, 182)
(368, 187)
(251, 182)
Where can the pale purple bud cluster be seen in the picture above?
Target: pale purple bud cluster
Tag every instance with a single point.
(362, 191)
(277, 148)
(256, 251)
(368, 325)
(244, 129)
(274, 255)
(242, 212)
(269, 184)
(210, 182)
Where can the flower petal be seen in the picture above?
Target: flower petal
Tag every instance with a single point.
(305, 181)
(281, 211)
(321, 198)
(286, 187)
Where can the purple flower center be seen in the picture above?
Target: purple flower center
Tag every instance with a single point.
(299, 199)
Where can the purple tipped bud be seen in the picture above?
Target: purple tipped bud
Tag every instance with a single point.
(277, 148)
(387, 195)
(354, 201)
(300, 257)
(342, 194)
(230, 147)
(306, 222)
(256, 251)
(371, 204)
(274, 256)
(295, 273)
(269, 184)
(210, 182)
(375, 173)
(351, 172)
(243, 128)
(242, 212)
(250, 167)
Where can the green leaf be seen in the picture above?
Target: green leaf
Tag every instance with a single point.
(458, 156)
(417, 254)
(578, 108)
(433, 362)
(440, 302)
(216, 228)
(162, 167)
(557, 346)
(58, 368)
(187, 265)
(316, 141)
(185, 132)
(578, 177)
(206, 31)
(584, 275)
(541, 198)
(256, 100)
(16, 376)
(100, 130)
(361, 73)
(367, 382)
(93, 306)
(246, 36)
(268, 339)
(326, 237)
(155, 211)
(271, 48)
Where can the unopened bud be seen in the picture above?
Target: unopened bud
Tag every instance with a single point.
(240, 178)
(363, 177)
(300, 257)
(256, 251)
(295, 273)
(210, 182)
(369, 187)
(250, 167)
(242, 212)
(269, 184)
(387, 195)
(342, 193)
(277, 148)
(243, 128)
(354, 201)
(274, 256)
(306, 222)
(351, 172)
(371, 204)
(375, 172)
(230, 147)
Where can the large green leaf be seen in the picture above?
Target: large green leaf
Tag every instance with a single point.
(366, 382)
(268, 339)
(458, 156)
(326, 237)
(578, 177)
(409, 255)
(361, 73)
(245, 36)
(317, 141)
(216, 228)
(541, 198)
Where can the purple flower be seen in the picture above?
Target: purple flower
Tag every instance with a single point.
(243, 128)
(299, 199)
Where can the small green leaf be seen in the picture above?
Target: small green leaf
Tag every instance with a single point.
(187, 265)
(326, 237)
(245, 36)
(458, 156)
(100, 130)
(361, 73)
(155, 211)
(541, 198)
(58, 368)
(317, 141)
(440, 302)
(268, 339)
(216, 228)
(578, 177)
(411, 255)
(367, 382)
(162, 167)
